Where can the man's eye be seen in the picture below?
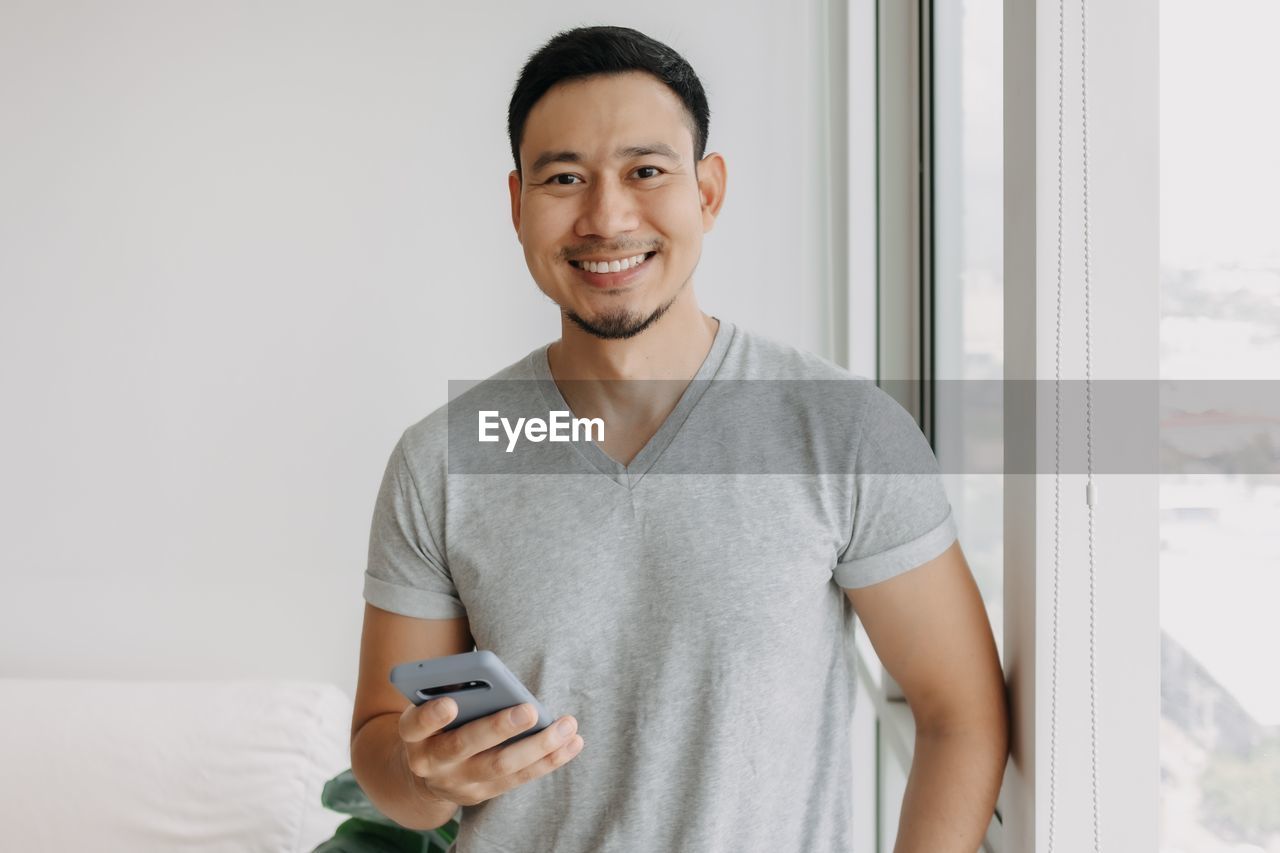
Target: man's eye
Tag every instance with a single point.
(555, 179)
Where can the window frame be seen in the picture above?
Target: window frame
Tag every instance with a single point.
(1124, 195)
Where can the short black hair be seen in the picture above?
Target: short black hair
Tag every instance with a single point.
(590, 51)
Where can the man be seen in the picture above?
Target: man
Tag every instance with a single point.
(690, 617)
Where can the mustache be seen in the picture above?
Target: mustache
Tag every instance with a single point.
(575, 254)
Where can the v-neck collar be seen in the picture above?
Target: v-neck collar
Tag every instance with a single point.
(631, 474)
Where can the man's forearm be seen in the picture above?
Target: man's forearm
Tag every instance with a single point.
(378, 762)
(951, 790)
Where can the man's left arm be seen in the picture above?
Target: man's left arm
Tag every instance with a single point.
(930, 630)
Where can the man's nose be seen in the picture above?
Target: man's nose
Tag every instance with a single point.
(609, 209)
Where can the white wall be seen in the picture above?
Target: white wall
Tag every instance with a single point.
(244, 245)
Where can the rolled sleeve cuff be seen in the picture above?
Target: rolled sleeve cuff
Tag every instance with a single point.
(411, 601)
(865, 571)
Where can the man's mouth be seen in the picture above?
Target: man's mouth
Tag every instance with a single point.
(618, 265)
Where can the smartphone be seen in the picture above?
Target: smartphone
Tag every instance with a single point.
(477, 681)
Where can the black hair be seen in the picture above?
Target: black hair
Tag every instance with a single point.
(590, 51)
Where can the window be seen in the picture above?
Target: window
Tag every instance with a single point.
(940, 301)
(968, 294)
(1219, 319)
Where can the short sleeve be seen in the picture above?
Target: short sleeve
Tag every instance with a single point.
(901, 516)
(406, 572)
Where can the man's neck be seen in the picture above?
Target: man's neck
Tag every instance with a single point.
(672, 349)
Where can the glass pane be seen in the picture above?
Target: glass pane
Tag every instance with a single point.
(968, 247)
(1220, 319)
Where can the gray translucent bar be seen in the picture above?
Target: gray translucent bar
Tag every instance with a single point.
(809, 426)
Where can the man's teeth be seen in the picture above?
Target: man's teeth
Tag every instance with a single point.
(612, 266)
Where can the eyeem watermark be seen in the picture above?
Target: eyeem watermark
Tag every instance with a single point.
(561, 426)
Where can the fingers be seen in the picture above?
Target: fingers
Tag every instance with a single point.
(500, 769)
(421, 721)
(469, 764)
(502, 761)
(487, 732)
(551, 753)
(554, 760)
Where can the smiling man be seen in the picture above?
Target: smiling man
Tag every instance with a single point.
(684, 590)
(618, 251)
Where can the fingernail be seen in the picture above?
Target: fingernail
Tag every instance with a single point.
(565, 727)
(444, 707)
(520, 715)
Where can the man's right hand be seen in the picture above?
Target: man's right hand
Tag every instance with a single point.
(465, 765)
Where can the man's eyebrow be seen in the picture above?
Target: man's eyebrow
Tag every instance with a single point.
(660, 149)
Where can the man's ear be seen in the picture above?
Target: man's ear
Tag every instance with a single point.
(513, 186)
(711, 186)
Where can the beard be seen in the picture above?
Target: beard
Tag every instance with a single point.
(622, 323)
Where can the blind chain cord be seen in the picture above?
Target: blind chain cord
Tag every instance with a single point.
(1090, 490)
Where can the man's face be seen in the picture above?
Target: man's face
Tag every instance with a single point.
(585, 197)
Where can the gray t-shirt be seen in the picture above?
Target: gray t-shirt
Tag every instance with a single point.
(687, 608)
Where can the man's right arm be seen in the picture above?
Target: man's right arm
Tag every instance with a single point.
(379, 759)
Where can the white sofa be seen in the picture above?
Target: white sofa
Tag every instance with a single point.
(169, 767)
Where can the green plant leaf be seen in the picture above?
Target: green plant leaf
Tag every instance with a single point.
(369, 826)
(361, 836)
